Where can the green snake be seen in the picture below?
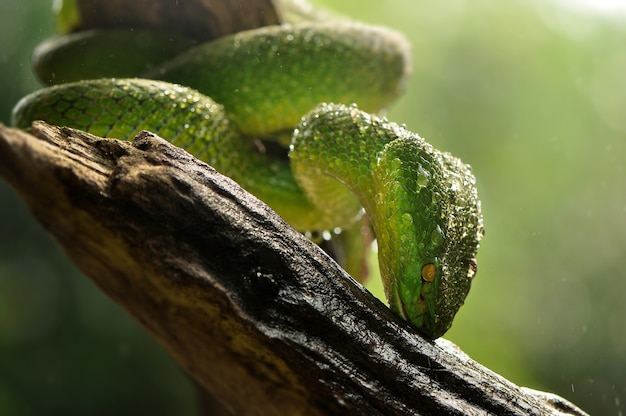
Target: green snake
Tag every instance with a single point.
(251, 98)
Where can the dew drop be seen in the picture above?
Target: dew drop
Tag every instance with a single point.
(423, 178)
(480, 231)
(437, 236)
(473, 268)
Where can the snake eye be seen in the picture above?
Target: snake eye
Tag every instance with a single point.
(473, 268)
(429, 272)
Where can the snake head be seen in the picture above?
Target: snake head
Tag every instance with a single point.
(428, 237)
(422, 204)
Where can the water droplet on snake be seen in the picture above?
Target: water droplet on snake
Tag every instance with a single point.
(437, 236)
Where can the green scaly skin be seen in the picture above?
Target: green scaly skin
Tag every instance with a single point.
(422, 203)
(304, 60)
(93, 54)
(266, 78)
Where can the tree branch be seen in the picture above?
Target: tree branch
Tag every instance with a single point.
(253, 311)
(201, 19)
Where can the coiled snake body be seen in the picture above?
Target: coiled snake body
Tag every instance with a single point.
(422, 203)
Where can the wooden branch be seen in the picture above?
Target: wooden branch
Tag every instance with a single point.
(201, 20)
(253, 311)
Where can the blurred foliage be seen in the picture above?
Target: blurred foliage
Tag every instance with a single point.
(531, 94)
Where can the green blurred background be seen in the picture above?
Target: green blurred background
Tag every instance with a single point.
(532, 95)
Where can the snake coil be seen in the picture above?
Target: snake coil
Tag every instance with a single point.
(219, 99)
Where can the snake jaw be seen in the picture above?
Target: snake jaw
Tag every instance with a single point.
(424, 321)
(416, 303)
